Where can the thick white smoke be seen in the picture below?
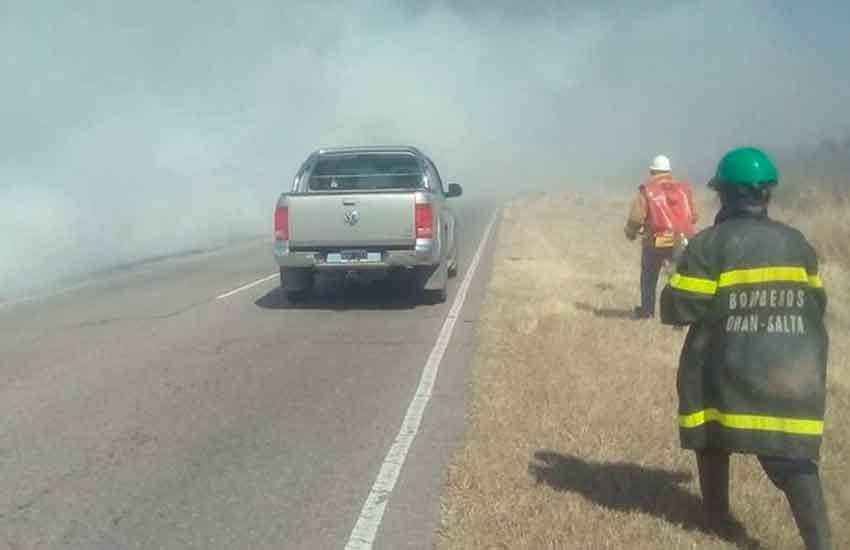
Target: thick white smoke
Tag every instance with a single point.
(138, 129)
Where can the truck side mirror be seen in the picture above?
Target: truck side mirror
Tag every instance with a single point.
(455, 190)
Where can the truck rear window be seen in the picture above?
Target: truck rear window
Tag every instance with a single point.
(353, 172)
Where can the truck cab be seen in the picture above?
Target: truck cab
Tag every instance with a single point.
(367, 210)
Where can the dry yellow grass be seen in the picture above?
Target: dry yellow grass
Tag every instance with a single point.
(572, 441)
(827, 226)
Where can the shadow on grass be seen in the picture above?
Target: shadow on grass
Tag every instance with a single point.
(607, 313)
(630, 487)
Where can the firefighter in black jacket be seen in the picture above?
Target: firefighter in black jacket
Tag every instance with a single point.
(752, 373)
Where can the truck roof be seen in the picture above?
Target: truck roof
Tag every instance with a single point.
(371, 149)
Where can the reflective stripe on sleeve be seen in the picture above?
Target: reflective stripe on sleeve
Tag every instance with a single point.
(693, 284)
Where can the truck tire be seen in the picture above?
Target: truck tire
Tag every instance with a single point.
(427, 277)
(433, 297)
(453, 264)
(297, 283)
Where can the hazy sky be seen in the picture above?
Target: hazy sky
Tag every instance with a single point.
(129, 129)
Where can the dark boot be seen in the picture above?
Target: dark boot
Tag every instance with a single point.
(651, 261)
(638, 313)
(648, 282)
(714, 484)
(800, 482)
(805, 496)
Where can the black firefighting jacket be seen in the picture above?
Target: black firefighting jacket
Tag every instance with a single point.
(752, 373)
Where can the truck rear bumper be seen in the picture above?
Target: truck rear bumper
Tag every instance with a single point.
(426, 253)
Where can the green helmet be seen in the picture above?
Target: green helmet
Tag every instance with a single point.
(746, 166)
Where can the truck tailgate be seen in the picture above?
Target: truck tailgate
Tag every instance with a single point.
(352, 221)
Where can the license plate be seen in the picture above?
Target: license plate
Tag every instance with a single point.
(353, 256)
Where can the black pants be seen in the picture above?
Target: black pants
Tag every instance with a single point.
(797, 478)
(651, 260)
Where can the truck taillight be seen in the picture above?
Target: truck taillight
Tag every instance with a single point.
(281, 223)
(424, 221)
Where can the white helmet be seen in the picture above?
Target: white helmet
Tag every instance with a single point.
(660, 164)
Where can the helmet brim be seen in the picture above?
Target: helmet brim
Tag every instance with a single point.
(716, 183)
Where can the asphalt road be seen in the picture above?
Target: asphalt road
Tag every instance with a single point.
(140, 411)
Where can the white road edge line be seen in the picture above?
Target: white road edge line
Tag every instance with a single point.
(363, 535)
(246, 287)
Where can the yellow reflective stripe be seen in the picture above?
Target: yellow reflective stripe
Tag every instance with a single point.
(796, 426)
(693, 284)
(746, 277)
(764, 275)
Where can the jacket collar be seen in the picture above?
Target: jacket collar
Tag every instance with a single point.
(740, 210)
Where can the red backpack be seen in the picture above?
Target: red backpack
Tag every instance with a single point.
(670, 207)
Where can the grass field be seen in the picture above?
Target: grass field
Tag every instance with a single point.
(572, 439)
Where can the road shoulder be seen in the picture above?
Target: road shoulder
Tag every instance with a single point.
(572, 439)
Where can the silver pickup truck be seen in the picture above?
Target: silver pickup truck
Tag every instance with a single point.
(367, 212)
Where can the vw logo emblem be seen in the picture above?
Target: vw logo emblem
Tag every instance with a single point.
(352, 217)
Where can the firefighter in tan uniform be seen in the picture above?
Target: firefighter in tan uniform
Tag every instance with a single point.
(752, 374)
(664, 212)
